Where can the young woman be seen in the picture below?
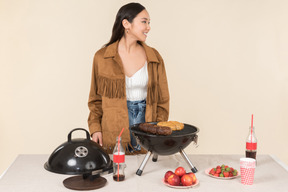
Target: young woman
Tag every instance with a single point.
(129, 83)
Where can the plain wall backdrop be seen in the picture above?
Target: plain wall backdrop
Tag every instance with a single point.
(225, 60)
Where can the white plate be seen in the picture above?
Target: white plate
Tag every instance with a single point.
(225, 178)
(180, 187)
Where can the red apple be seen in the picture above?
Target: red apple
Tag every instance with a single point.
(174, 180)
(180, 171)
(167, 174)
(186, 180)
(193, 176)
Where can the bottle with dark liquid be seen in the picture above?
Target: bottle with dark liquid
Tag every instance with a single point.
(251, 144)
(120, 178)
(118, 161)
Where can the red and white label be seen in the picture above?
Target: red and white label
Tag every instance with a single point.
(119, 158)
(251, 146)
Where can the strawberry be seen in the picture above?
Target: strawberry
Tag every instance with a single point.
(218, 171)
(216, 174)
(226, 174)
(212, 171)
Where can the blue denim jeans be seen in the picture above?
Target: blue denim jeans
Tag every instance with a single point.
(136, 112)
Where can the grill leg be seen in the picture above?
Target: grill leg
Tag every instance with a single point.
(144, 162)
(155, 157)
(183, 154)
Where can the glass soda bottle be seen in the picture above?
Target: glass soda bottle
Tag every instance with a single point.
(118, 161)
(251, 143)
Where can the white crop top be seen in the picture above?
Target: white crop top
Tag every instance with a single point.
(136, 86)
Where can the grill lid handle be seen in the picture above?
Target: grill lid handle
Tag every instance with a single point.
(76, 129)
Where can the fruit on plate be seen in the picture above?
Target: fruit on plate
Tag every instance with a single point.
(180, 171)
(174, 180)
(180, 177)
(223, 171)
(186, 180)
(167, 174)
(194, 179)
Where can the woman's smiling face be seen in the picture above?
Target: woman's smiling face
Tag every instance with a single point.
(140, 26)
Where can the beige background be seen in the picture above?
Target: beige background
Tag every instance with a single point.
(225, 60)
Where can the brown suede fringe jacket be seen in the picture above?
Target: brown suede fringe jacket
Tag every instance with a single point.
(107, 99)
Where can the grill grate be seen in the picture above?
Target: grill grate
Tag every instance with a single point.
(186, 131)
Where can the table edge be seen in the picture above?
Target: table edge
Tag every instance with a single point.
(281, 163)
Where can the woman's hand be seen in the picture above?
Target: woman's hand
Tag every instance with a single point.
(97, 137)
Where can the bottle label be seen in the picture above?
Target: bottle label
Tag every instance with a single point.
(118, 158)
(251, 146)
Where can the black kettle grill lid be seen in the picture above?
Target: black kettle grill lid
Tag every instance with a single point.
(78, 156)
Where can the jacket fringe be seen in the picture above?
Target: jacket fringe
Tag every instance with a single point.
(151, 94)
(111, 88)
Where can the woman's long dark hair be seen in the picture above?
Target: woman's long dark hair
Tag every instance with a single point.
(129, 12)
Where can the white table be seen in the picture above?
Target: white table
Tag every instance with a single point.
(27, 174)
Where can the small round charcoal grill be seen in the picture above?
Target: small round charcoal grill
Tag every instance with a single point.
(165, 145)
(83, 158)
